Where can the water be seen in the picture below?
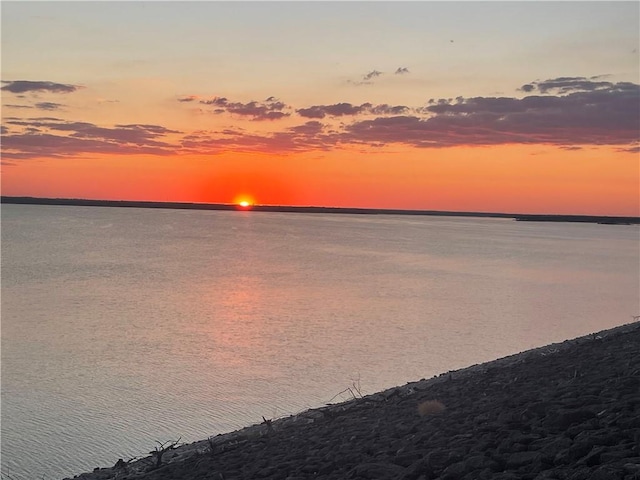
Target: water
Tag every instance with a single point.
(121, 327)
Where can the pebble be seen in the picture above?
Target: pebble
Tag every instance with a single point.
(569, 411)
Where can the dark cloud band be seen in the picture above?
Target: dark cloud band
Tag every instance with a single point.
(23, 86)
(566, 112)
(270, 109)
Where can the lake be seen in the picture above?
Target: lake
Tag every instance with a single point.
(122, 326)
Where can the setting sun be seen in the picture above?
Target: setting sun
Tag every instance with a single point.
(244, 200)
(326, 126)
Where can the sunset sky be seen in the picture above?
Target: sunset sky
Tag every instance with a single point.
(528, 107)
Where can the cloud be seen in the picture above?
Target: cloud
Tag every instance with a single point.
(310, 128)
(632, 149)
(218, 101)
(336, 110)
(188, 98)
(598, 116)
(562, 85)
(344, 109)
(316, 111)
(48, 106)
(367, 78)
(53, 137)
(270, 109)
(385, 109)
(372, 74)
(40, 106)
(22, 86)
(401, 71)
(310, 136)
(271, 116)
(18, 106)
(589, 112)
(105, 100)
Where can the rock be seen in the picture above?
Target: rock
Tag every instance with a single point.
(511, 420)
(454, 471)
(592, 459)
(376, 471)
(419, 469)
(566, 418)
(480, 462)
(605, 473)
(405, 459)
(519, 459)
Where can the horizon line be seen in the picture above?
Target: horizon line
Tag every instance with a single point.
(310, 209)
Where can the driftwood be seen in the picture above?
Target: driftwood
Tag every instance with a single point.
(163, 448)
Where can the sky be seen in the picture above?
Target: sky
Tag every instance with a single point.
(518, 107)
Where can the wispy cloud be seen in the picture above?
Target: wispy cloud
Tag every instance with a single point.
(632, 149)
(602, 116)
(337, 110)
(385, 109)
(270, 109)
(589, 112)
(372, 74)
(562, 85)
(48, 106)
(105, 100)
(344, 109)
(23, 86)
(307, 137)
(401, 71)
(366, 79)
(53, 137)
(188, 98)
(606, 115)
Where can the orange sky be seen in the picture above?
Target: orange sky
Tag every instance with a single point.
(495, 179)
(180, 106)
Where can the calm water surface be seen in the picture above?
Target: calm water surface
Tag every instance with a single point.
(121, 327)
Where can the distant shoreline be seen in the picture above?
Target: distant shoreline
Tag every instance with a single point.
(606, 220)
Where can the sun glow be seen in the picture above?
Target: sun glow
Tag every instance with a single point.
(244, 201)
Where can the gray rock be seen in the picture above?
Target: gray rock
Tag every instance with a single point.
(519, 459)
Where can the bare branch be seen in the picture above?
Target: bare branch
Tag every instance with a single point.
(162, 449)
(268, 423)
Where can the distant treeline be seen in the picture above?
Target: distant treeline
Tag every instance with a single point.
(291, 209)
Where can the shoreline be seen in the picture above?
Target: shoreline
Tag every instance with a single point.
(575, 359)
(521, 217)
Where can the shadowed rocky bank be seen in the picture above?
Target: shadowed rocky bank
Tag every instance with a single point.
(565, 411)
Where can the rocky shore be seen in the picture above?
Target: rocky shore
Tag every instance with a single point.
(565, 411)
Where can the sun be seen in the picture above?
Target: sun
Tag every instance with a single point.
(244, 201)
